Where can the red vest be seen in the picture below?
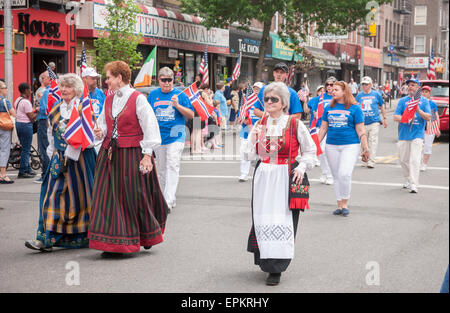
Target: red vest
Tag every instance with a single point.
(277, 150)
(129, 131)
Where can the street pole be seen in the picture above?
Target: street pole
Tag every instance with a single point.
(392, 81)
(8, 49)
(361, 62)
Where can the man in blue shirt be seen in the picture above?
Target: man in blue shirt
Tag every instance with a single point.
(411, 135)
(371, 102)
(97, 96)
(280, 74)
(42, 124)
(172, 108)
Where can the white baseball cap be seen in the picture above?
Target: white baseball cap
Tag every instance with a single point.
(258, 84)
(89, 71)
(366, 80)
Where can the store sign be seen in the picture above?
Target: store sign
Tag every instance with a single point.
(149, 25)
(372, 57)
(282, 51)
(41, 28)
(173, 53)
(15, 4)
(247, 43)
(416, 62)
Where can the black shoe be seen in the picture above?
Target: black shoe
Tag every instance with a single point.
(147, 247)
(25, 175)
(273, 279)
(112, 255)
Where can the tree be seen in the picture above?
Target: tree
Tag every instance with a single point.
(118, 42)
(328, 16)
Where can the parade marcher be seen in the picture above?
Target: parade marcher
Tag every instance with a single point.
(6, 112)
(234, 103)
(25, 116)
(280, 74)
(411, 136)
(343, 125)
(171, 108)
(281, 141)
(128, 207)
(42, 125)
(371, 102)
(432, 128)
(65, 199)
(97, 96)
(220, 88)
(353, 87)
(317, 109)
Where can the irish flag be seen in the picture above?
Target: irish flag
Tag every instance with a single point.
(144, 77)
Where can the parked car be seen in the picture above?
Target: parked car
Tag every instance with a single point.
(439, 94)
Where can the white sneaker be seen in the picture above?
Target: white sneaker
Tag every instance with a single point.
(317, 162)
(406, 185)
(329, 181)
(414, 189)
(423, 167)
(243, 178)
(323, 179)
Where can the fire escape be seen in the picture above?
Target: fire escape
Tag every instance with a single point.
(404, 9)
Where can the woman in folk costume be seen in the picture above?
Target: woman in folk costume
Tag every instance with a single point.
(65, 201)
(280, 184)
(128, 208)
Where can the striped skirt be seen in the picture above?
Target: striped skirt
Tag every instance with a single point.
(65, 203)
(128, 208)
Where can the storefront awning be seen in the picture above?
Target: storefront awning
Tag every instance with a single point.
(324, 58)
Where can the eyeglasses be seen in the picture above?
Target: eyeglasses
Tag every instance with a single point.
(166, 80)
(271, 99)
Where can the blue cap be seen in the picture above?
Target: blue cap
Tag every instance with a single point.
(229, 79)
(413, 80)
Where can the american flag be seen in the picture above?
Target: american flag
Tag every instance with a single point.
(433, 125)
(245, 108)
(203, 110)
(431, 72)
(411, 107)
(83, 64)
(237, 68)
(86, 119)
(51, 73)
(203, 69)
(74, 131)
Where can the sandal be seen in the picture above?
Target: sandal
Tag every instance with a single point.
(6, 180)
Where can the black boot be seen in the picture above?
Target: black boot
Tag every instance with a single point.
(147, 247)
(273, 279)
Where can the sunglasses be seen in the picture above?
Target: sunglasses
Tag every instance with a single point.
(329, 84)
(271, 99)
(166, 80)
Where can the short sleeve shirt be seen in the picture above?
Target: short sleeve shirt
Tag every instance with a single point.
(417, 129)
(370, 104)
(342, 124)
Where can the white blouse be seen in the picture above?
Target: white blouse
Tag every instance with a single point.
(144, 113)
(307, 152)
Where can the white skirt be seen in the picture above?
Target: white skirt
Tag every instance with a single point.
(273, 224)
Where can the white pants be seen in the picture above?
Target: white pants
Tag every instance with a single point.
(168, 158)
(410, 156)
(245, 165)
(372, 131)
(326, 171)
(342, 160)
(428, 143)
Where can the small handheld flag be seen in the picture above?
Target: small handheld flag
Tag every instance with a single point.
(237, 68)
(203, 110)
(411, 107)
(74, 132)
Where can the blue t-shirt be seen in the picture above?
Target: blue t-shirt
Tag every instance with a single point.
(370, 104)
(341, 124)
(97, 100)
(2, 105)
(314, 106)
(295, 106)
(417, 130)
(171, 122)
(223, 102)
(42, 115)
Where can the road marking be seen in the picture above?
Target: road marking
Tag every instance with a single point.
(355, 182)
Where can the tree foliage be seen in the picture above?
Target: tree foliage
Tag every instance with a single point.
(118, 41)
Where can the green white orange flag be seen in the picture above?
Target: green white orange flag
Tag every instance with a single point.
(144, 77)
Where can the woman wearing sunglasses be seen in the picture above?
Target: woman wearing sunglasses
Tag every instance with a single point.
(280, 140)
(343, 126)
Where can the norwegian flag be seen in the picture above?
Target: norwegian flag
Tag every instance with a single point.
(54, 95)
(411, 107)
(320, 107)
(431, 72)
(74, 132)
(86, 120)
(315, 137)
(237, 68)
(203, 69)
(203, 110)
(83, 64)
(245, 108)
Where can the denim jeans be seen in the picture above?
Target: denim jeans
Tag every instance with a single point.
(25, 134)
(43, 144)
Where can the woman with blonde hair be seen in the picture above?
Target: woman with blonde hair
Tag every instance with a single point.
(343, 124)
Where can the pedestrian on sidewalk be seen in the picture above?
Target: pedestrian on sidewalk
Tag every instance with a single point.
(25, 116)
(432, 129)
(171, 108)
(220, 88)
(343, 125)
(286, 152)
(65, 200)
(128, 207)
(353, 87)
(411, 135)
(6, 112)
(371, 102)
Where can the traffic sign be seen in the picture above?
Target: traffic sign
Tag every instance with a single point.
(16, 4)
(391, 48)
